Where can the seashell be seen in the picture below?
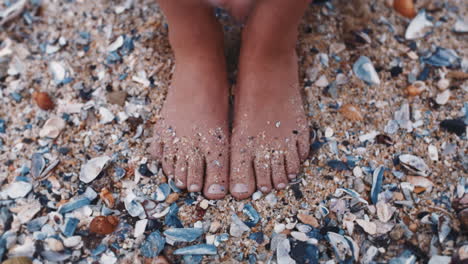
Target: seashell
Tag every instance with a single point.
(351, 112)
(384, 211)
(377, 179)
(18, 260)
(418, 27)
(414, 164)
(171, 198)
(364, 70)
(343, 246)
(59, 73)
(443, 97)
(461, 26)
(104, 225)
(43, 100)
(37, 165)
(91, 169)
(105, 115)
(52, 127)
(308, 220)
(419, 181)
(107, 197)
(252, 214)
(183, 234)
(443, 57)
(369, 227)
(202, 249)
(18, 189)
(405, 8)
(416, 88)
(237, 227)
(153, 245)
(443, 84)
(457, 75)
(140, 227)
(13, 11)
(116, 44)
(433, 153)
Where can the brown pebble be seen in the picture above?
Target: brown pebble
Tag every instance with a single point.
(18, 260)
(107, 197)
(405, 8)
(43, 100)
(413, 227)
(415, 89)
(351, 112)
(308, 220)
(172, 198)
(117, 97)
(104, 225)
(463, 217)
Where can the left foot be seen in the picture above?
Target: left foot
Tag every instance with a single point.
(270, 138)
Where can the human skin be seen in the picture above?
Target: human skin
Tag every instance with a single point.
(270, 136)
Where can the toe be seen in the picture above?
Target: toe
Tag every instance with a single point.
(156, 147)
(303, 145)
(292, 162)
(278, 171)
(180, 174)
(263, 172)
(195, 172)
(217, 167)
(168, 162)
(242, 182)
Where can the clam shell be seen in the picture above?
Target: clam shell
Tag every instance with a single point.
(414, 164)
(418, 27)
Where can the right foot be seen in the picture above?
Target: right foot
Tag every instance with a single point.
(191, 139)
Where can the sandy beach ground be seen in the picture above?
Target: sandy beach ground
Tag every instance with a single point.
(82, 83)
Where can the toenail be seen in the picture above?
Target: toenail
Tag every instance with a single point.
(179, 183)
(264, 189)
(292, 176)
(194, 188)
(215, 189)
(240, 188)
(281, 186)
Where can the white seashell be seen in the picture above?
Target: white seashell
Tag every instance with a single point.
(328, 132)
(71, 242)
(443, 84)
(433, 153)
(461, 26)
(384, 211)
(58, 71)
(52, 127)
(18, 189)
(299, 236)
(106, 116)
(92, 168)
(369, 227)
(419, 181)
(418, 26)
(140, 227)
(279, 228)
(414, 164)
(116, 44)
(322, 82)
(443, 97)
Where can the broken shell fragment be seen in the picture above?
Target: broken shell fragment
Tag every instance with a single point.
(405, 8)
(52, 127)
(104, 225)
(418, 27)
(364, 70)
(351, 112)
(92, 168)
(107, 197)
(416, 88)
(414, 164)
(43, 100)
(422, 182)
(443, 97)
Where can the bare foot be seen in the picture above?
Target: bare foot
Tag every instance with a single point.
(192, 138)
(270, 138)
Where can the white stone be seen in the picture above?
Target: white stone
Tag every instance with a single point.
(210, 239)
(91, 169)
(279, 228)
(54, 244)
(384, 211)
(257, 195)
(18, 189)
(237, 227)
(322, 82)
(52, 127)
(215, 226)
(282, 252)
